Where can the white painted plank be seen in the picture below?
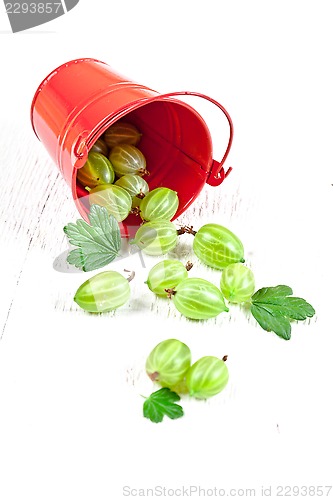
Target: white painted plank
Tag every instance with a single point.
(71, 383)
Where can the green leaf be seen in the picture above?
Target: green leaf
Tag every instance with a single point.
(270, 322)
(161, 403)
(291, 307)
(98, 242)
(74, 258)
(273, 308)
(272, 292)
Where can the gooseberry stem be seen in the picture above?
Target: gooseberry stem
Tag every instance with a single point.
(143, 171)
(140, 195)
(170, 292)
(188, 265)
(187, 230)
(135, 210)
(225, 358)
(153, 376)
(131, 275)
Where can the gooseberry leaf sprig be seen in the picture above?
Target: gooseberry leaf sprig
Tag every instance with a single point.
(98, 242)
(274, 308)
(161, 403)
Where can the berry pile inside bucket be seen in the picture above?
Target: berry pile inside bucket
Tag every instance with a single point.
(114, 176)
(113, 173)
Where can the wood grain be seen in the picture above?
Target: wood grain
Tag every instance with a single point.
(71, 383)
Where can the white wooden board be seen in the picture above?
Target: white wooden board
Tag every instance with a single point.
(71, 423)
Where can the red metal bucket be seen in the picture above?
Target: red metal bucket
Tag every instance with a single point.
(78, 101)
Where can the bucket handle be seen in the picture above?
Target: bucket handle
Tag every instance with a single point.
(217, 174)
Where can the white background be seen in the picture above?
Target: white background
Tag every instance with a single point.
(71, 424)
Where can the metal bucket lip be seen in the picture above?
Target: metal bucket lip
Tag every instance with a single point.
(48, 78)
(134, 105)
(217, 174)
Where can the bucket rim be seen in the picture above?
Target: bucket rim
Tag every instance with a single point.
(140, 103)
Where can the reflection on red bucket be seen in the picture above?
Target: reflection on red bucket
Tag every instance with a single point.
(78, 101)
